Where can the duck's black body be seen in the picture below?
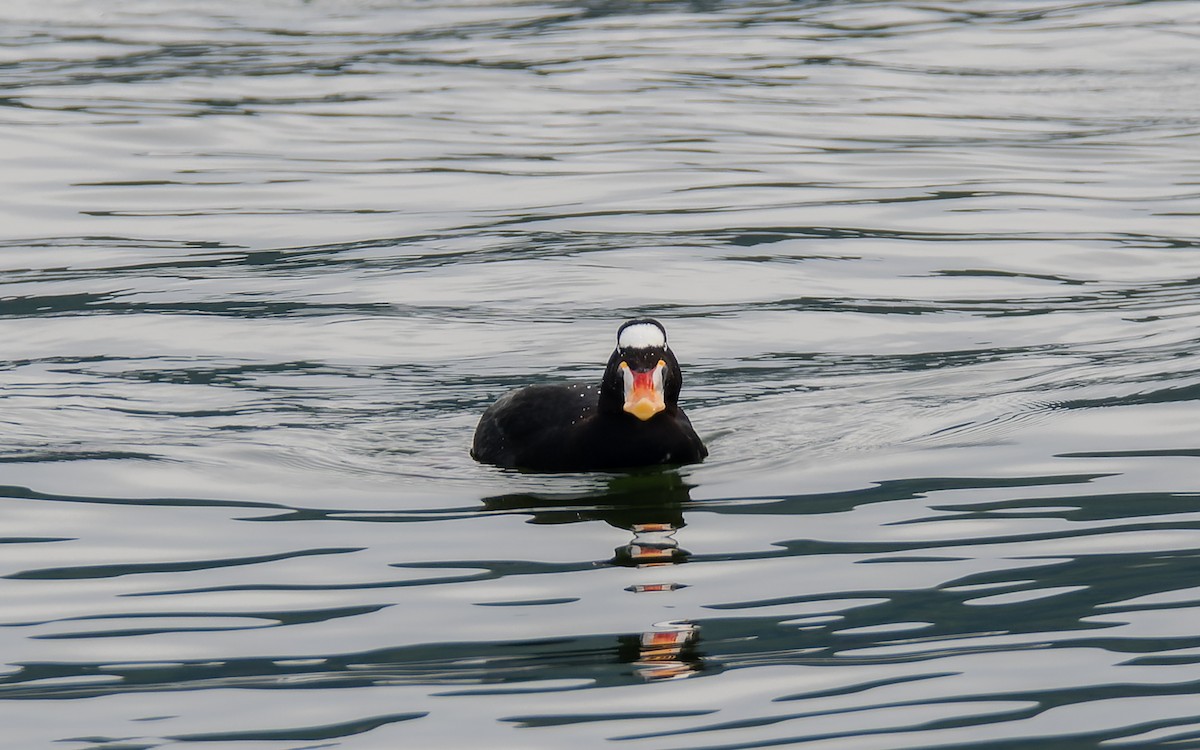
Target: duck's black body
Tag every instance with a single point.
(631, 419)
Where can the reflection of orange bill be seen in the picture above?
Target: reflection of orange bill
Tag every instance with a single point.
(666, 639)
(668, 671)
(642, 528)
(639, 552)
(654, 587)
(661, 654)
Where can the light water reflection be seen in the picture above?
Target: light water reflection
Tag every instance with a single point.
(930, 271)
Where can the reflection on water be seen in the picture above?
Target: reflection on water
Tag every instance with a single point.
(650, 504)
(930, 272)
(653, 544)
(938, 595)
(669, 654)
(644, 498)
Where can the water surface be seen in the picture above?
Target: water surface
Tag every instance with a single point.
(930, 269)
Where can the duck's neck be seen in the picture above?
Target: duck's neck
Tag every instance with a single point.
(612, 388)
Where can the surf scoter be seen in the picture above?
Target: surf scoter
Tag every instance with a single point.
(631, 419)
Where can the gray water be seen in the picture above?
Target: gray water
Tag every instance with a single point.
(931, 270)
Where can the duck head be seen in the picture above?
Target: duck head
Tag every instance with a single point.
(642, 377)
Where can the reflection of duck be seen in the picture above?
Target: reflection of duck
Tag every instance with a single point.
(632, 419)
(668, 654)
(628, 501)
(650, 504)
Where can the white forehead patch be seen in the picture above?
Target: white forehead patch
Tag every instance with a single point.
(642, 336)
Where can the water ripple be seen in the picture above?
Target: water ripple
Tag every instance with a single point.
(930, 271)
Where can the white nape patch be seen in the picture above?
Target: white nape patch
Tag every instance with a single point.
(642, 336)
